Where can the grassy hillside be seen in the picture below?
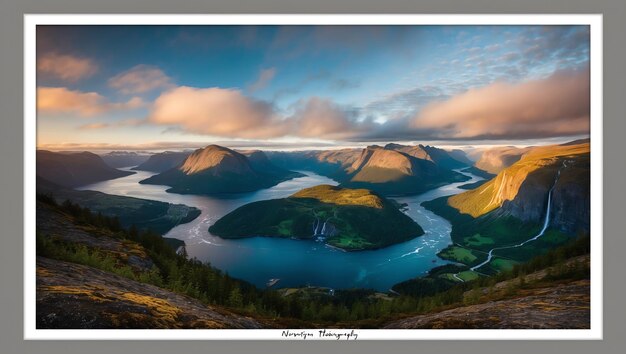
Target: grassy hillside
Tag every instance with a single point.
(474, 237)
(341, 196)
(366, 221)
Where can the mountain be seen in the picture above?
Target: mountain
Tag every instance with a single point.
(529, 179)
(512, 208)
(461, 156)
(350, 219)
(260, 163)
(119, 159)
(75, 169)
(217, 170)
(496, 159)
(392, 172)
(163, 161)
(329, 163)
(439, 157)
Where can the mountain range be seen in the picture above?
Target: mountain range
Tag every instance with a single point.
(217, 170)
(120, 159)
(163, 161)
(390, 170)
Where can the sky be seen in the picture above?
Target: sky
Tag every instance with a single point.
(285, 87)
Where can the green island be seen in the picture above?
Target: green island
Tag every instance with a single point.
(349, 219)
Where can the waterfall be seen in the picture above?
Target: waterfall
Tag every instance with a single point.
(317, 226)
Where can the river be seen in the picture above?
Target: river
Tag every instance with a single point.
(298, 262)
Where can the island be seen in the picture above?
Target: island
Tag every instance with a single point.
(349, 219)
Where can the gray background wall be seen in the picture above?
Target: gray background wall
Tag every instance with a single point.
(11, 179)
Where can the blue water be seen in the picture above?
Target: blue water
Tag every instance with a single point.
(298, 262)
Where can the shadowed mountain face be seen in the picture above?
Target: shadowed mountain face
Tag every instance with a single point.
(461, 156)
(216, 170)
(439, 157)
(163, 161)
(119, 159)
(496, 159)
(74, 169)
(329, 163)
(142, 213)
(393, 172)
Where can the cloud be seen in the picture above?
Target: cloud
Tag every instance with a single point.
(94, 126)
(229, 113)
(265, 76)
(321, 118)
(216, 111)
(554, 106)
(61, 100)
(65, 67)
(186, 145)
(140, 79)
(557, 105)
(103, 125)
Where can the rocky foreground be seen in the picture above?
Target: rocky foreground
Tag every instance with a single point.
(78, 297)
(558, 307)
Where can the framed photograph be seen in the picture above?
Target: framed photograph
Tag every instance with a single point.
(313, 177)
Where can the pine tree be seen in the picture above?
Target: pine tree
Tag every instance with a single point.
(235, 299)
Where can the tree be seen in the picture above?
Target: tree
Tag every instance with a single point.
(235, 299)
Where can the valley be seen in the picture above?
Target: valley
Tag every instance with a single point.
(408, 245)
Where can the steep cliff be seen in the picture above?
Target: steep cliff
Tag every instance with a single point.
(528, 179)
